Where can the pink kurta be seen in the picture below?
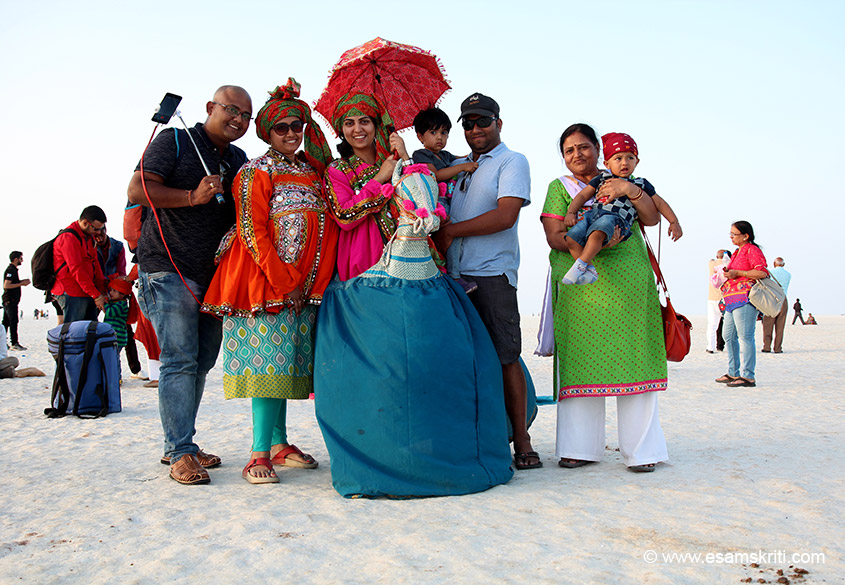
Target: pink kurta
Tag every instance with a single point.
(365, 216)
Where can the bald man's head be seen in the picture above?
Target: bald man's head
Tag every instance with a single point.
(229, 114)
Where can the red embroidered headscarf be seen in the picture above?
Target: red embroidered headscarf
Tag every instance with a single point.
(361, 104)
(283, 103)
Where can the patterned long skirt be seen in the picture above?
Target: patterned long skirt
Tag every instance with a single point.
(270, 355)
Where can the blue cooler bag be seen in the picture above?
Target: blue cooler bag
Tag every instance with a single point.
(87, 370)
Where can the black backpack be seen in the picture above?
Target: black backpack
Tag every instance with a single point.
(43, 275)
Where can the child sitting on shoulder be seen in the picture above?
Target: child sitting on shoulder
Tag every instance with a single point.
(587, 237)
(432, 127)
(117, 310)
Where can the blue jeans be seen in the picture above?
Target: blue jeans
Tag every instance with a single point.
(738, 332)
(77, 308)
(189, 342)
(598, 220)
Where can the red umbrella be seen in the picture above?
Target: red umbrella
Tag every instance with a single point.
(405, 79)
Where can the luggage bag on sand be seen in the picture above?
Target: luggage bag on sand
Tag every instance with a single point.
(87, 370)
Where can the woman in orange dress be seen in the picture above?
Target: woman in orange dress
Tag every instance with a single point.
(272, 272)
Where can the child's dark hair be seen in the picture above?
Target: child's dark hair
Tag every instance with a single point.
(432, 119)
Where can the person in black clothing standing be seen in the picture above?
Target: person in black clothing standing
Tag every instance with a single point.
(12, 297)
(797, 308)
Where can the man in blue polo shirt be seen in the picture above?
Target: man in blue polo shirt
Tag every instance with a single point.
(485, 214)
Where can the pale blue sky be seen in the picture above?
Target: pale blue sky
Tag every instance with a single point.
(736, 106)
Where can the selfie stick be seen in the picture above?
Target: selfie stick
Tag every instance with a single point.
(218, 196)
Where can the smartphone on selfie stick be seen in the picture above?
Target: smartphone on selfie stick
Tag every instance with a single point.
(164, 112)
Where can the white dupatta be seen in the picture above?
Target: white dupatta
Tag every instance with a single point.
(546, 334)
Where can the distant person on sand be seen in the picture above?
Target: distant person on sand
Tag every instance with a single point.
(714, 297)
(810, 320)
(778, 322)
(9, 364)
(12, 297)
(80, 287)
(797, 308)
(747, 265)
(192, 224)
(589, 234)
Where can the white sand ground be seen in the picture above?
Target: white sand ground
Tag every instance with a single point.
(752, 471)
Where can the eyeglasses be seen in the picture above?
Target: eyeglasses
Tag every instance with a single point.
(235, 112)
(733, 235)
(281, 128)
(483, 122)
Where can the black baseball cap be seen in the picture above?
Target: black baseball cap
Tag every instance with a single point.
(479, 104)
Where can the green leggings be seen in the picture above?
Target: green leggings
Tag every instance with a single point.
(269, 423)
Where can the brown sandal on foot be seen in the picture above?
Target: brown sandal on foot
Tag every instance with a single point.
(207, 460)
(725, 378)
(188, 471)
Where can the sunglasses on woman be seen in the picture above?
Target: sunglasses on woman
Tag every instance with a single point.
(483, 122)
(281, 128)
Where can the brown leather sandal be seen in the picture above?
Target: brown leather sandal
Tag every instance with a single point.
(725, 378)
(207, 460)
(188, 471)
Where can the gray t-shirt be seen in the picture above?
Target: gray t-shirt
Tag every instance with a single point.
(440, 160)
(192, 233)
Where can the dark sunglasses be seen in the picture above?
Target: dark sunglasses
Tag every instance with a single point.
(483, 122)
(281, 128)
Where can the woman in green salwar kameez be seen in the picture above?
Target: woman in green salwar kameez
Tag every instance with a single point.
(608, 336)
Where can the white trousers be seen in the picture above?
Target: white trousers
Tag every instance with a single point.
(153, 367)
(713, 317)
(581, 424)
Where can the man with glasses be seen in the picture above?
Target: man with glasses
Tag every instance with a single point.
(195, 212)
(485, 213)
(80, 287)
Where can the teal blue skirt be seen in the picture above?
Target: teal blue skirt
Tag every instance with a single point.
(408, 390)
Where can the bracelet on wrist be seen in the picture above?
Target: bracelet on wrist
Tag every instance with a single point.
(638, 197)
(188, 192)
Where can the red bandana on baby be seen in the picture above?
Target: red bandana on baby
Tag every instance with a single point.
(615, 142)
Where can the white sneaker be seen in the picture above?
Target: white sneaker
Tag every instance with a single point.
(589, 276)
(140, 376)
(575, 273)
(580, 273)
